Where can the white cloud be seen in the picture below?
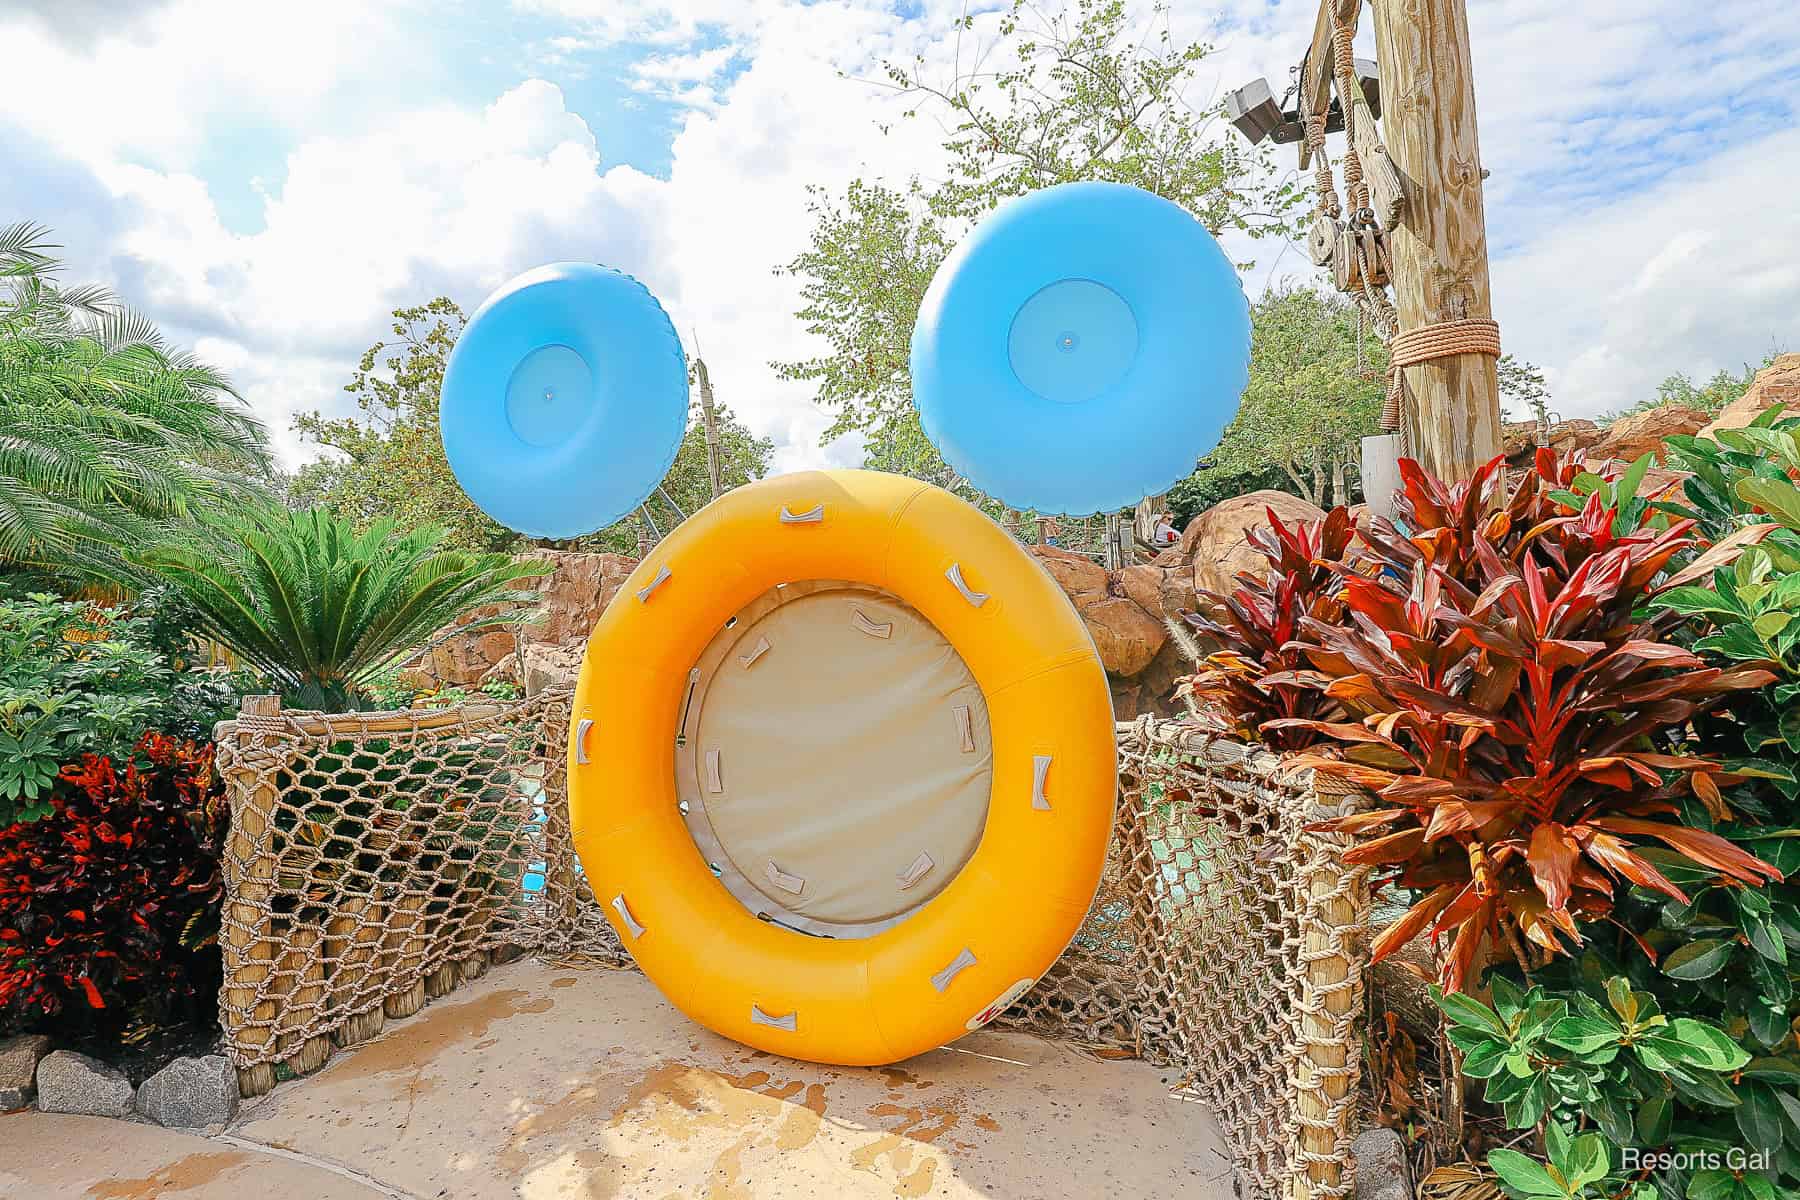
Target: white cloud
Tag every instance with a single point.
(684, 68)
(388, 200)
(185, 68)
(1697, 273)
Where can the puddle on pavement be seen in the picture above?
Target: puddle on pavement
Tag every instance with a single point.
(439, 1027)
(183, 1175)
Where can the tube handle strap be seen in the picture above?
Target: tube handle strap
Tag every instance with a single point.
(811, 516)
(921, 867)
(757, 651)
(1040, 767)
(867, 625)
(581, 731)
(631, 923)
(962, 962)
(662, 577)
(793, 885)
(787, 1021)
(965, 728)
(714, 783)
(955, 576)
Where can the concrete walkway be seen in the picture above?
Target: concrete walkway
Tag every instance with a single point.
(541, 1082)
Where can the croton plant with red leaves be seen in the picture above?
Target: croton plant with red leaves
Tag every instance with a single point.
(109, 906)
(1251, 681)
(1516, 719)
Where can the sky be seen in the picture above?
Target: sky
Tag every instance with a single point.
(269, 181)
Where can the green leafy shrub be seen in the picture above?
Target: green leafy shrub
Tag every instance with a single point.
(1518, 717)
(72, 681)
(78, 678)
(1631, 1100)
(321, 608)
(109, 904)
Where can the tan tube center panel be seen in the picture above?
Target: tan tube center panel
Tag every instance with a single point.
(835, 761)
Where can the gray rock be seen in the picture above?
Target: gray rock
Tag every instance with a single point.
(191, 1093)
(1381, 1172)
(74, 1083)
(19, 1057)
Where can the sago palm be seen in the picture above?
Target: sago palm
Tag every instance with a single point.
(105, 431)
(317, 606)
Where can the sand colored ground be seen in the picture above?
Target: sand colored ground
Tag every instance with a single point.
(546, 1082)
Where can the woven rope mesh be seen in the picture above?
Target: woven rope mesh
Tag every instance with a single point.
(373, 852)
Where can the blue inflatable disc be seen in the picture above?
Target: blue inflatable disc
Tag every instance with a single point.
(1081, 349)
(565, 400)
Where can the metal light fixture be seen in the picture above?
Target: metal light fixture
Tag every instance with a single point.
(1254, 112)
(1369, 80)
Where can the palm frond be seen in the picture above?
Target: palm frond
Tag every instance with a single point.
(321, 607)
(104, 429)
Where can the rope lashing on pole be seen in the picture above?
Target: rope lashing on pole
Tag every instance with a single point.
(1444, 340)
(1356, 189)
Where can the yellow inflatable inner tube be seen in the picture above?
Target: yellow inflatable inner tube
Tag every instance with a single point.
(841, 767)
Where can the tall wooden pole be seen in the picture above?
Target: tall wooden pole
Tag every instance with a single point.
(1439, 249)
(710, 417)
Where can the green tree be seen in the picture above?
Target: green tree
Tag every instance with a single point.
(389, 456)
(319, 606)
(106, 432)
(1522, 382)
(1710, 397)
(1083, 94)
(863, 276)
(1722, 389)
(1316, 389)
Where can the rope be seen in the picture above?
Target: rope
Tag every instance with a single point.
(1313, 123)
(1355, 188)
(1447, 339)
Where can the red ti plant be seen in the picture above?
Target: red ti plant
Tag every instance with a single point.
(109, 906)
(1261, 673)
(1517, 719)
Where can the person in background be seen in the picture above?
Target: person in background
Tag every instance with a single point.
(1166, 534)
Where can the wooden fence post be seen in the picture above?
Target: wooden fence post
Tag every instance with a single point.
(1328, 1060)
(248, 944)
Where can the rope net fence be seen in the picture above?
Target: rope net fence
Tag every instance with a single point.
(380, 859)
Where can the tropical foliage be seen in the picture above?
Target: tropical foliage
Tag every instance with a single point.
(109, 906)
(1258, 673)
(75, 678)
(320, 607)
(1517, 718)
(106, 432)
(1605, 1069)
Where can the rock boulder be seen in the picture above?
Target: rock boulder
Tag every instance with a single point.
(74, 1083)
(1631, 437)
(1143, 584)
(1126, 636)
(1777, 383)
(575, 593)
(1214, 541)
(1076, 574)
(551, 667)
(191, 1093)
(19, 1058)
